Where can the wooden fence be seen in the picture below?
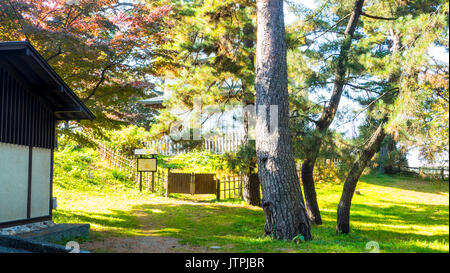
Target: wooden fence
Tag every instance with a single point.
(229, 187)
(193, 183)
(153, 182)
(214, 144)
(226, 187)
(436, 173)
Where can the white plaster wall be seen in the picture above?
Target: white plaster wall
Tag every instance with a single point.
(13, 182)
(40, 182)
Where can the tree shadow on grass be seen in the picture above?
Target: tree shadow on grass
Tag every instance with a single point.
(407, 183)
(240, 229)
(205, 198)
(397, 222)
(413, 214)
(196, 223)
(114, 223)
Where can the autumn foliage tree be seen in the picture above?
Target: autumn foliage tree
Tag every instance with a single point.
(102, 49)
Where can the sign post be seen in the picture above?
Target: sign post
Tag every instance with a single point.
(145, 163)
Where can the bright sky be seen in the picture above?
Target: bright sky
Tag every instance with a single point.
(289, 17)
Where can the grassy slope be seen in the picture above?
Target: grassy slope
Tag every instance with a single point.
(401, 214)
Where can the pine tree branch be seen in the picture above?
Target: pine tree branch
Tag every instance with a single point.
(378, 17)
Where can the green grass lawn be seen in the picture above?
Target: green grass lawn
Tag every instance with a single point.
(401, 214)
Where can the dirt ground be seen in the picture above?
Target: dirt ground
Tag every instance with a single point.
(140, 244)
(150, 243)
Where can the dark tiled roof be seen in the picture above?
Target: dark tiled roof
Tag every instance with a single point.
(23, 59)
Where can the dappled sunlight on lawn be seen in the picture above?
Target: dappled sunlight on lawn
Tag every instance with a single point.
(400, 218)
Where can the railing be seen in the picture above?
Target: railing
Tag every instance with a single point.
(214, 144)
(437, 173)
(153, 182)
(229, 187)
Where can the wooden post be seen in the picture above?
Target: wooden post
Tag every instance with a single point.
(167, 183)
(442, 173)
(153, 181)
(158, 179)
(229, 187)
(240, 188)
(140, 181)
(192, 185)
(218, 189)
(235, 187)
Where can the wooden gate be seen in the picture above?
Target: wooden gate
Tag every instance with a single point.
(203, 183)
(179, 183)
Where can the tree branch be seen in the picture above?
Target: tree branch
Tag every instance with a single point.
(102, 78)
(377, 17)
(55, 55)
(363, 88)
(19, 19)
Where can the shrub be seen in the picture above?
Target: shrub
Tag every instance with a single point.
(128, 139)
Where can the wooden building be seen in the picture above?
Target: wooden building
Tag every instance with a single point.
(32, 99)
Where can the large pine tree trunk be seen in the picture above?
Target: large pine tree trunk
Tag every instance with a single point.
(282, 197)
(327, 116)
(343, 213)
